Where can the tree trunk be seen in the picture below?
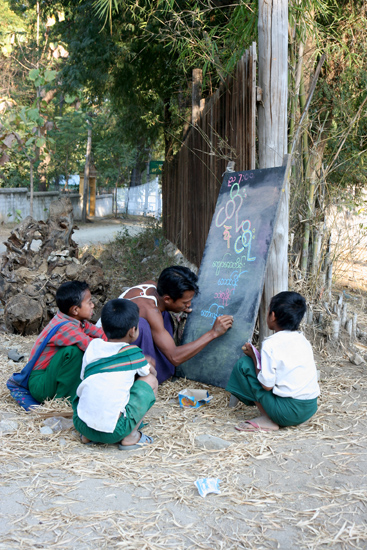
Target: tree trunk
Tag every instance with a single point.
(86, 174)
(31, 188)
(273, 80)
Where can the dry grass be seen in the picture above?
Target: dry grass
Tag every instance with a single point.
(303, 485)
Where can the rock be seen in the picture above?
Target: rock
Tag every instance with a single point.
(207, 441)
(46, 430)
(23, 315)
(25, 275)
(72, 271)
(233, 401)
(14, 355)
(58, 423)
(62, 442)
(356, 359)
(8, 426)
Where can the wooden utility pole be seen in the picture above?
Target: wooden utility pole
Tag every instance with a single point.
(272, 127)
(86, 173)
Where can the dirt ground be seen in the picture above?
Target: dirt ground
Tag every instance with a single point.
(302, 488)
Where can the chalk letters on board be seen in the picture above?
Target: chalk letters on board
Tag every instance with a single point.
(232, 271)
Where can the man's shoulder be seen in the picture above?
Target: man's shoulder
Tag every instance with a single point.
(152, 314)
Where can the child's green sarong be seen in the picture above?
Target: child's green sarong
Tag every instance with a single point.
(284, 411)
(142, 396)
(61, 378)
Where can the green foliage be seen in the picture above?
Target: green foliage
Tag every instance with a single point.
(136, 258)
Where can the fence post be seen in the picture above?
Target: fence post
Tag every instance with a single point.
(272, 131)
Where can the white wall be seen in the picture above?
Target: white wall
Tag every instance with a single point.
(15, 204)
(142, 200)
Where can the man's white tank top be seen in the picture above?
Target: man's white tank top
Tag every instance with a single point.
(143, 294)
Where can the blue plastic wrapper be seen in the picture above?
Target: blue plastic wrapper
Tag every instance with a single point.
(194, 399)
(208, 485)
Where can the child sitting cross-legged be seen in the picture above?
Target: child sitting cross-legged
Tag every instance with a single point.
(118, 384)
(57, 370)
(285, 387)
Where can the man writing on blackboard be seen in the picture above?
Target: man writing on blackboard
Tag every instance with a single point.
(176, 287)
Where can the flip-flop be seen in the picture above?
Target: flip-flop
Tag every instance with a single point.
(144, 440)
(252, 427)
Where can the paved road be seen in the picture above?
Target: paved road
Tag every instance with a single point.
(88, 234)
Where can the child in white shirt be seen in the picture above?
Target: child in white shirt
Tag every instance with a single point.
(284, 386)
(118, 384)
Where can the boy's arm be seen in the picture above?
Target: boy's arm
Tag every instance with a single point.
(93, 331)
(247, 350)
(178, 354)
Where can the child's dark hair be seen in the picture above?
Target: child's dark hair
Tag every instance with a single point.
(118, 317)
(70, 294)
(289, 309)
(175, 280)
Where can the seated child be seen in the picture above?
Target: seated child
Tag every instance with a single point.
(57, 371)
(285, 388)
(118, 384)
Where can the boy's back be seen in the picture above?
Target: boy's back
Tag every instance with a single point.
(103, 396)
(287, 365)
(118, 386)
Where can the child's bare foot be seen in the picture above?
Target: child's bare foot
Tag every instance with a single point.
(84, 439)
(258, 424)
(131, 439)
(135, 441)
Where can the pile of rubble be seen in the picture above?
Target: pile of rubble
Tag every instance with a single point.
(29, 279)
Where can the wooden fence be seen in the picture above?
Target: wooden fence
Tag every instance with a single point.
(226, 131)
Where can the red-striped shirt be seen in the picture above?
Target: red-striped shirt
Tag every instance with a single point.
(73, 333)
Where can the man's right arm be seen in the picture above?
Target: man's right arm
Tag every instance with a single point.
(179, 354)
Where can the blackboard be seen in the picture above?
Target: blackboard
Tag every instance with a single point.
(232, 272)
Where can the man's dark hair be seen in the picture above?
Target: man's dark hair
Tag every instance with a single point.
(118, 317)
(175, 280)
(70, 294)
(289, 309)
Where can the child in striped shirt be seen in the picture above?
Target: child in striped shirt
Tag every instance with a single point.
(118, 384)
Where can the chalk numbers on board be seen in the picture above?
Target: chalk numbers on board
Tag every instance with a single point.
(244, 241)
(232, 209)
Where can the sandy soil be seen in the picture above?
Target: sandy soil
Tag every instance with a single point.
(302, 488)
